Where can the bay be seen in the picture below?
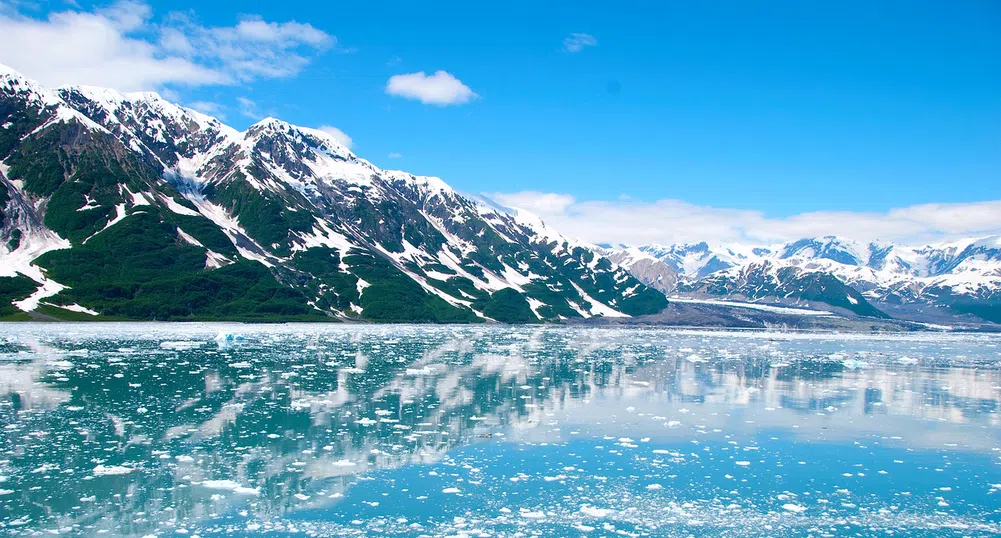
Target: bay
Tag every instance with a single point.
(399, 430)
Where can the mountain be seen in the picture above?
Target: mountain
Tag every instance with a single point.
(647, 268)
(129, 206)
(937, 282)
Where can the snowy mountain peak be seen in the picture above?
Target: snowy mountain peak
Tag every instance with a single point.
(7, 71)
(828, 247)
(15, 84)
(270, 124)
(427, 185)
(314, 139)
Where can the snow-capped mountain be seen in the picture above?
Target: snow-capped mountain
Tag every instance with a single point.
(130, 206)
(958, 277)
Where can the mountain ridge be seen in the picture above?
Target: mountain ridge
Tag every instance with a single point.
(150, 199)
(956, 278)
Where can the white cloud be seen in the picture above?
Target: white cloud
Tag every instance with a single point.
(338, 135)
(122, 47)
(252, 49)
(576, 42)
(544, 204)
(674, 221)
(249, 108)
(208, 107)
(440, 89)
(395, 155)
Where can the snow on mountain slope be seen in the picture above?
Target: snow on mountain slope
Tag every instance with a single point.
(646, 267)
(322, 220)
(23, 238)
(966, 271)
(696, 260)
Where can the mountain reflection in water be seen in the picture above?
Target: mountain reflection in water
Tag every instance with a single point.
(139, 429)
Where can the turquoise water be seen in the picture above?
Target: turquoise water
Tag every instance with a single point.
(315, 430)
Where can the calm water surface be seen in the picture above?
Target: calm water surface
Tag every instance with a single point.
(316, 430)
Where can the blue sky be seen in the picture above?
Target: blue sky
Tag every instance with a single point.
(780, 108)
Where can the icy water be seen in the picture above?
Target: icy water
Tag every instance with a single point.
(317, 430)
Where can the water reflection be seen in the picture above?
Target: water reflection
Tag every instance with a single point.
(139, 429)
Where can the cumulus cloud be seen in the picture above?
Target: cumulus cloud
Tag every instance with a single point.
(544, 204)
(674, 221)
(338, 135)
(576, 42)
(441, 88)
(123, 47)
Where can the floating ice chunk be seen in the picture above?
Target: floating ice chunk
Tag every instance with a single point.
(180, 345)
(854, 364)
(654, 487)
(230, 485)
(344, 463)
(110, 470)
(239, 364)
(742, 463)
(227, 337)
(591, 511)
(450, 490)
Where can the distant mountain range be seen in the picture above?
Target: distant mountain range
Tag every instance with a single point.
(128, 206)
(943, 282)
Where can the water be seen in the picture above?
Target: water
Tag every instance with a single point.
(322, 430)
